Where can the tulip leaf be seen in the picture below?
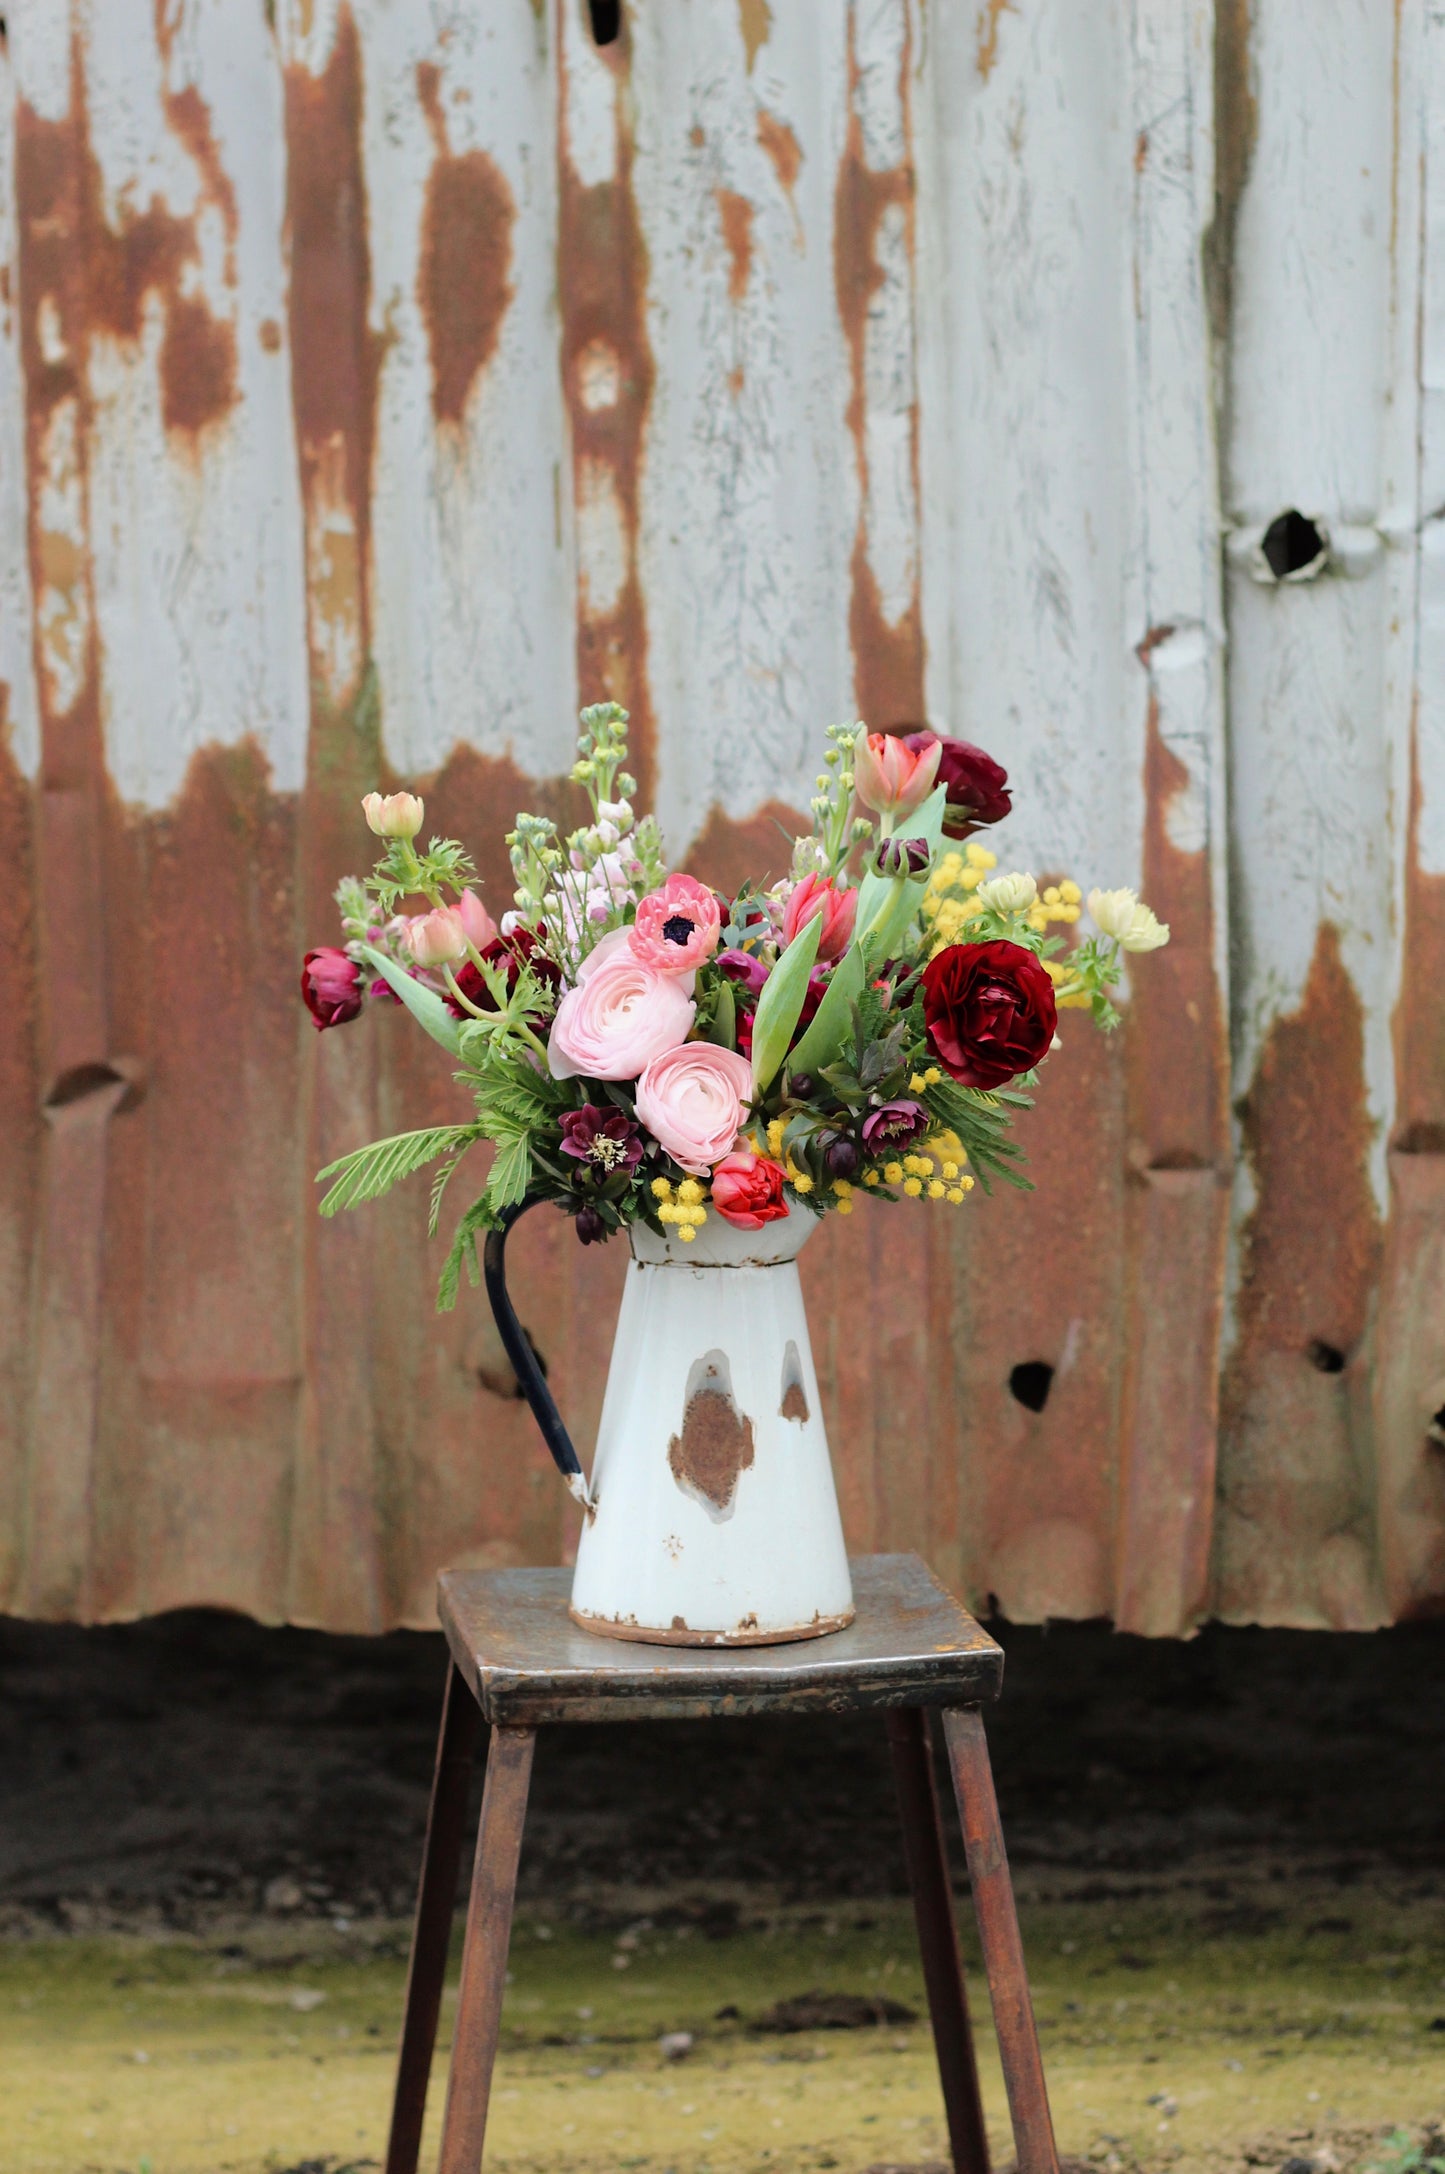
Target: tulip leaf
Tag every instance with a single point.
(832, 1023)
(424, 1004)
(782, 1001)
(925, 823)
(723, 1028)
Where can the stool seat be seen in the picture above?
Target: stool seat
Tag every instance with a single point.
(519, 1663)
(527, 1664)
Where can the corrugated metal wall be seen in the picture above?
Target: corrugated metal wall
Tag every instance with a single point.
(379, 381)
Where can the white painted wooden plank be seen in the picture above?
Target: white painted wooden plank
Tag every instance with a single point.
(18, 706)
(1430, 675)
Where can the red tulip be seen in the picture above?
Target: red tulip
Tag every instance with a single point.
(816, 896)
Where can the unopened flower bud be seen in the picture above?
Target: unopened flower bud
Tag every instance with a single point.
(842, 1157)
(435, 938)
(395, 815)
(589, 1226)
(903, 857)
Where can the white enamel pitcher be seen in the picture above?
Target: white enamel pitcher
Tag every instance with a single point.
(711, 1517)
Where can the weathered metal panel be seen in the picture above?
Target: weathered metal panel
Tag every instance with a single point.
(375, 384)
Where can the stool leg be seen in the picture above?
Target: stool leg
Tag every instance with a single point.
(926, 1855)
(484, 1958)
(441, 1856)
(1003, 1955)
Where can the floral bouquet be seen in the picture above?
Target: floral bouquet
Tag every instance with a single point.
(640, 1048)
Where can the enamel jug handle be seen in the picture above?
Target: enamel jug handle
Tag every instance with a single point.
(524, 1359)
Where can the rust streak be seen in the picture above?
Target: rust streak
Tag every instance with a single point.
(463, 284)
(888, 655)
(987, 34)
(602, 288)
(783, 151)
(736, 214)
(755, 21)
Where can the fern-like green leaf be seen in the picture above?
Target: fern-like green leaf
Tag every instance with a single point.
(368, 1172)
(511, 1168)
(463, 1253)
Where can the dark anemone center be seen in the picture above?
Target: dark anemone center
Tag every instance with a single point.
(678, 929)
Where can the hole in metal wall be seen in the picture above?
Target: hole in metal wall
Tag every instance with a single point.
(606, 19)
(1030, 1383)
(1436, 1429)
(1293, 546)
(82, 1080)
(1328, 1358)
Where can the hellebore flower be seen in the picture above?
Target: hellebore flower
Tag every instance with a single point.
(814, 898)
(895, 1124)
(988, 1010)
(677, 927)
(604, 1138)
(331, 984)
(891, 777)
(396, 815)
(747, 1190)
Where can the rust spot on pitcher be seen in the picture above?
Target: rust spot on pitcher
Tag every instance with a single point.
(715, 1446)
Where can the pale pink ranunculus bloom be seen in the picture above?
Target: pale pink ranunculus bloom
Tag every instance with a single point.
(816, 896)
(677, 927)
(619, 1017)
(480, 928)
(436, 938)
(693, 1101)
(393, 815)
(890, 777)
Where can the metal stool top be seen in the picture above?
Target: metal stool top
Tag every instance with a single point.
(527, 1664)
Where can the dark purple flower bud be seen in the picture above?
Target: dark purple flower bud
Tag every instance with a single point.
(800, 1086)
(903, 857)
(895, 1124)
(331, 983)
(842, 1157)
(589, 1226)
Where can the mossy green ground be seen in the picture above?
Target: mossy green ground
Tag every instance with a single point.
(1176, 2034)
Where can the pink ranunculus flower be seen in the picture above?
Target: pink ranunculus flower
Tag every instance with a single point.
(677, 927)
(480, 928)
(892, 778)
(693, 1101)
(438, 937)
(621, 1015)
(816, 896)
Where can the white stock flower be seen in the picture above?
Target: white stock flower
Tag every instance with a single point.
(1009, 894)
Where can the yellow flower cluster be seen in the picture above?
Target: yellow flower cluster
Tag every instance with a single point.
(681, 1205)
(1056, 902)
(948, 901)
(937, 1173)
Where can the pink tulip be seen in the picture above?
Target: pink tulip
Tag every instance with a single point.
(435, 938)
(693, 1101)
(677, 927)
(892, 778)
(816, 896)
(480, 928)
(619, 1017)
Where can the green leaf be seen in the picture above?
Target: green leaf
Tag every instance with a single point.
(463, 1254)
(511, 1168)
(829, 1028)
(424, 1004)
(723, 1029)
(782, 1001)
(368, 1172)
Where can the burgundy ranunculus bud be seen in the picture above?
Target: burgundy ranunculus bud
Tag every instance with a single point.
(842, 1157)
(331, 984)
(589, 1226)
(903, 857)
(895, 1124)
(988, 1010)
(976, 785)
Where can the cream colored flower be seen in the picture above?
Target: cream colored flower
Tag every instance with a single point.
(399, 815)
(1123, 915)
(1009, 894)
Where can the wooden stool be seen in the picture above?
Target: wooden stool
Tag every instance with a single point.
(518, 1661)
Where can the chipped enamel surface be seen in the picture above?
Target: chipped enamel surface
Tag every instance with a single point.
(376, 384)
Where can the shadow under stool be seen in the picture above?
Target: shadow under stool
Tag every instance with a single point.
(519, 1663)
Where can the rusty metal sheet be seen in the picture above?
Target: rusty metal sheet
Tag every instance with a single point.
(376, 384)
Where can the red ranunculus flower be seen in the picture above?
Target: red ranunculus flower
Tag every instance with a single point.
(989, 1011)
(510, 953)
(747, 1190)
(332, 985)
(977, 786)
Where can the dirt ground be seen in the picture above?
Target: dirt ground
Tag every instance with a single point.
(1230, 1859)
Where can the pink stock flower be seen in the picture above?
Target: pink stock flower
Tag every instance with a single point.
(620, 1016)
(435, 938)
(892, 778)
(677, 927)
(816, 896)
(747, 1190)
(693, 1100)
(478, 924)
